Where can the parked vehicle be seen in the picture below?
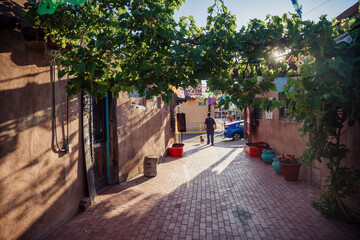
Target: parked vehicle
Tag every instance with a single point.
(234, 130)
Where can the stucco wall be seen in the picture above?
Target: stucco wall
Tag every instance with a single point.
(352, 140)
(282, 135)
(195, 114)
(40, 188)
(141, 131)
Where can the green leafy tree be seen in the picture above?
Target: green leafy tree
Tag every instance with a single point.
(325, 95)
(112, 46)
(327, 102)
(116, 45)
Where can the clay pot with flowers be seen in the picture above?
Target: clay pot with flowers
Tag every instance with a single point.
(260, 146)
(290, 167)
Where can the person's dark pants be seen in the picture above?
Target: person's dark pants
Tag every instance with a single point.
(210, 134)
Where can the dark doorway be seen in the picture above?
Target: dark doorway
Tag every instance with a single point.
(100, 144)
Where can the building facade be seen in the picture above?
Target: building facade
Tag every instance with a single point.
(280, 131)
(54, 149)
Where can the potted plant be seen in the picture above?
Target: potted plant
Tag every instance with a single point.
(255, 149)
(290, 167)
(260, 146)
(268, 155)
(276, 166)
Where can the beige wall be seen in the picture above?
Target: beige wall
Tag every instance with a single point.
(141, 131)
(40, 188)
(195, 115)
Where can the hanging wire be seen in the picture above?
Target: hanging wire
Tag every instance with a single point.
(316, 7)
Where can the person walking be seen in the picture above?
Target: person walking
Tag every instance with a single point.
(210, 127)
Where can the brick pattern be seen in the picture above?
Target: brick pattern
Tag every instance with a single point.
(213, 192)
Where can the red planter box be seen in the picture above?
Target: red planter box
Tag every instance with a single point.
(175, 145)
(251, 150)
(176, 150)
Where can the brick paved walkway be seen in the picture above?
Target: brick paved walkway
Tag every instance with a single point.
(213, 192)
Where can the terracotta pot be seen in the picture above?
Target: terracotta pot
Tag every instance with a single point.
(290, 171)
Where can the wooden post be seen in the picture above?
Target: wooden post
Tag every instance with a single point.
(113, 142)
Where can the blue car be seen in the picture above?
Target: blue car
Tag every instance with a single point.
(234, 130)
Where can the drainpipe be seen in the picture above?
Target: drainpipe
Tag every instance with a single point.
(54, 111)
(107, 137)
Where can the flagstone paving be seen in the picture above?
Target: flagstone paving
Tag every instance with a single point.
(212, 192)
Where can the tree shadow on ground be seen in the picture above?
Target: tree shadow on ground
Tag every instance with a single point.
(246, 199)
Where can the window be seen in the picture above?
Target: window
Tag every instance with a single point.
(287, 105)
(270, 114)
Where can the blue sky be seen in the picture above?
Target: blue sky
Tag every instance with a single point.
(245, 10)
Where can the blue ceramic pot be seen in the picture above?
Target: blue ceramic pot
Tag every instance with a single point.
(268, 155)
(276, 165)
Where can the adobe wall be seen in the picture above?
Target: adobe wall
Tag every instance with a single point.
(282, 135)
(141, 131)
(352, 140)
(284, 138)
(40, 188)
(195, 114)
